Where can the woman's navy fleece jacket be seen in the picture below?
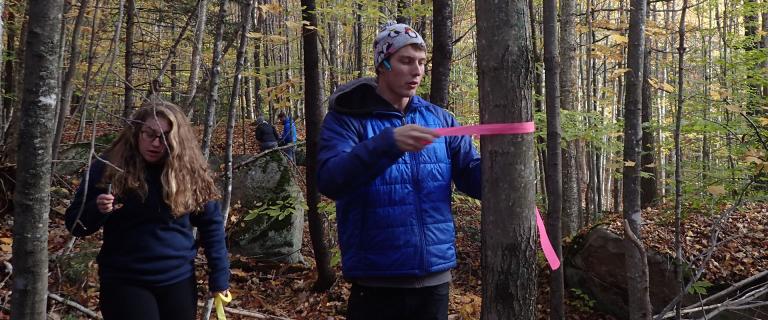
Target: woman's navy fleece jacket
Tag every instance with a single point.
(393, 209)
(143, 243)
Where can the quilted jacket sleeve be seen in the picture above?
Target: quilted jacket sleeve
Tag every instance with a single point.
(345, 161)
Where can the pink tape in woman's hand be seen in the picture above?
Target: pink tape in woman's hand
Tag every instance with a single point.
(509, 128)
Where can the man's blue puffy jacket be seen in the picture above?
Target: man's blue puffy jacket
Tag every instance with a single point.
(393, 208)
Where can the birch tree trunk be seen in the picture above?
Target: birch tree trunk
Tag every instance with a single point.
(213, 93)
(505, 74)
(197, 48)
(246, 8)
(68, 83)
(32, 196)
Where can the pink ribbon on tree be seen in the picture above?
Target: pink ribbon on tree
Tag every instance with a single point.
(509, 128)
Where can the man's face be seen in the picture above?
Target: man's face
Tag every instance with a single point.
(405, 75)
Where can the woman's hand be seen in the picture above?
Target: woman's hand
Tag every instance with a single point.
(223, 293)
(105, 202)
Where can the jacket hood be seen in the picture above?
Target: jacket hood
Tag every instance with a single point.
(358, 97)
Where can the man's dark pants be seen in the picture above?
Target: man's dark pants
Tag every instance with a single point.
(374, 303)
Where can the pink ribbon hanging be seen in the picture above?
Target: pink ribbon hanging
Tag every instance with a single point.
(509, 128)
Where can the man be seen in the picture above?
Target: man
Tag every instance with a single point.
(265, 134)
(391, 175)
(289, 135)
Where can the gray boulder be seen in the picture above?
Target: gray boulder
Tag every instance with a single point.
(273, 225)
(72, 158)
(595, 265)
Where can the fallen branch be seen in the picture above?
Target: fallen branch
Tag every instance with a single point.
(246, 313)
(259, 155)
(75, 305)
(713, 244)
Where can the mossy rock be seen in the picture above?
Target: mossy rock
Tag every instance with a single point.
(263, 183)
(76, 266)
(74, 157)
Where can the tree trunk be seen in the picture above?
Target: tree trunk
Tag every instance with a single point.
(648, 183)
(538, 106)
(568, 60)
(678, 154)
(401, 5)
(154, 87)
(442, 52)
(13, 92)
(257, 51)
(333, 55)
(6, 64)
(197, 48)
(505, 75)
(313, 111)
(246, 8)
(359, 39)
(637, 276)
(32, 196)
(554, 167)
(213, 93)
(68, 83)
(89, 70)
(130, 26)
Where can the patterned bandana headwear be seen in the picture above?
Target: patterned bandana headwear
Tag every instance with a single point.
(393, 36)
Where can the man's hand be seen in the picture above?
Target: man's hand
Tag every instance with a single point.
(104, 202)
(413, 138)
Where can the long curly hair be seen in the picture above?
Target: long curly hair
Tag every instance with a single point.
(187, 179)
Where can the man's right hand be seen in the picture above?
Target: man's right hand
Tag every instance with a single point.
(105, 202)
(413, 138)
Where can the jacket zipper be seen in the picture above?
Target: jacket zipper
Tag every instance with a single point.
(417, 191)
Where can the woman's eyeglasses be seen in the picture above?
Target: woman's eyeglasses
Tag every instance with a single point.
(151, 135)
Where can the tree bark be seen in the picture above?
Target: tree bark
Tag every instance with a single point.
(554, 166)
(678, 155)
(333, 55)
(32, 196)
(130, 25)
(170, 59)
(197, 48)
(68, 83)
(637, 277)
(359, 39)
(648, 183)
(313, 111)
(88, 72)
(568, 60)
(6, 106)
(442, 52)
(246, 8)
(505, 74)
(13, 91)
(213, 93)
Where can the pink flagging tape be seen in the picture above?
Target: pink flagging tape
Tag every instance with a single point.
(509, 128)
(488, 129)
(546, 246)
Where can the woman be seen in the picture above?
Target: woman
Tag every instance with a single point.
(154, 188)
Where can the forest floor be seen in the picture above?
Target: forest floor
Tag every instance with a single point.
(285, 291)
